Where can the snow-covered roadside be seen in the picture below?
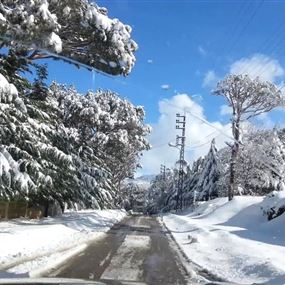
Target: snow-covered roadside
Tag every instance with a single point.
(233, 240)
(37, 245)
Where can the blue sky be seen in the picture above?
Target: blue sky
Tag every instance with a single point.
(171, 33)
(191, 44)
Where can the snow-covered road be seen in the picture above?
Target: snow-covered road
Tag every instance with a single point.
(135, 251)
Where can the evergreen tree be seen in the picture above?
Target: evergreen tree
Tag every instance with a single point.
(161, 191)
(56, 145)
(207, 184)
(39, 88)
(113, 127)
(190, 190)
(49, 154)
(262, 162)
(13, 65)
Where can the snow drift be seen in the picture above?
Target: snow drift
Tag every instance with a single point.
(233, 240)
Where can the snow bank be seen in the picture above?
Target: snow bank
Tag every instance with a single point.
(274, 204)
(233, 240)
(26, 245)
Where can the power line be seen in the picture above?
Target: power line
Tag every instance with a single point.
(158, 146)
(196, 144)
(248, 22)
(264, 156)
(199, 118)
(270, 45)
(199, 141)
(278, 48)
(202, 144)
(234, 29)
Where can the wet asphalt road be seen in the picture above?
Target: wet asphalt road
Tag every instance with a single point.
(135, 251)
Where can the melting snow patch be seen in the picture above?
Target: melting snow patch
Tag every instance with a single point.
(124, 265)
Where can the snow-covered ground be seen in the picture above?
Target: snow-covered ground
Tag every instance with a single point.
(35, 246)
(233, 240)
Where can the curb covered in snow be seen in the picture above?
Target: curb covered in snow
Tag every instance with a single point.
(189, 264)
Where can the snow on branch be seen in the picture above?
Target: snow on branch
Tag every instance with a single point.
(249, 97)
(74, 29)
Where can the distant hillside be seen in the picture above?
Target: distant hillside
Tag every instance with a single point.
(147, 178)
(143, 182)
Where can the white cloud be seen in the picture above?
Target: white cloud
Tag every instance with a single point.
(202, 51)
(258, 65)
(165, 86)
(197, 133)
(225, 110)
(210, 79)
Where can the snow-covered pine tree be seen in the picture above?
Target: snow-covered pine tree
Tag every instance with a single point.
(14, 63)
(224, 157)
(124, 134)
(51, 162)
(75, 29)
(261, 161)
(160, 196)
(207, 184)
(33, 139)
(110, 130)
(42, 159)
(40, 138)
(112, 126)
(191, 182)
(134, 194)
(14, 160)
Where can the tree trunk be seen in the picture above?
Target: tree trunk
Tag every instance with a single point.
(235, 149)
(46, 208)
(232, 186)
(62, 206)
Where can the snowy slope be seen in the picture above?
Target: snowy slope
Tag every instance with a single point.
(142, 181)
(233, 240)
(26, 245)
